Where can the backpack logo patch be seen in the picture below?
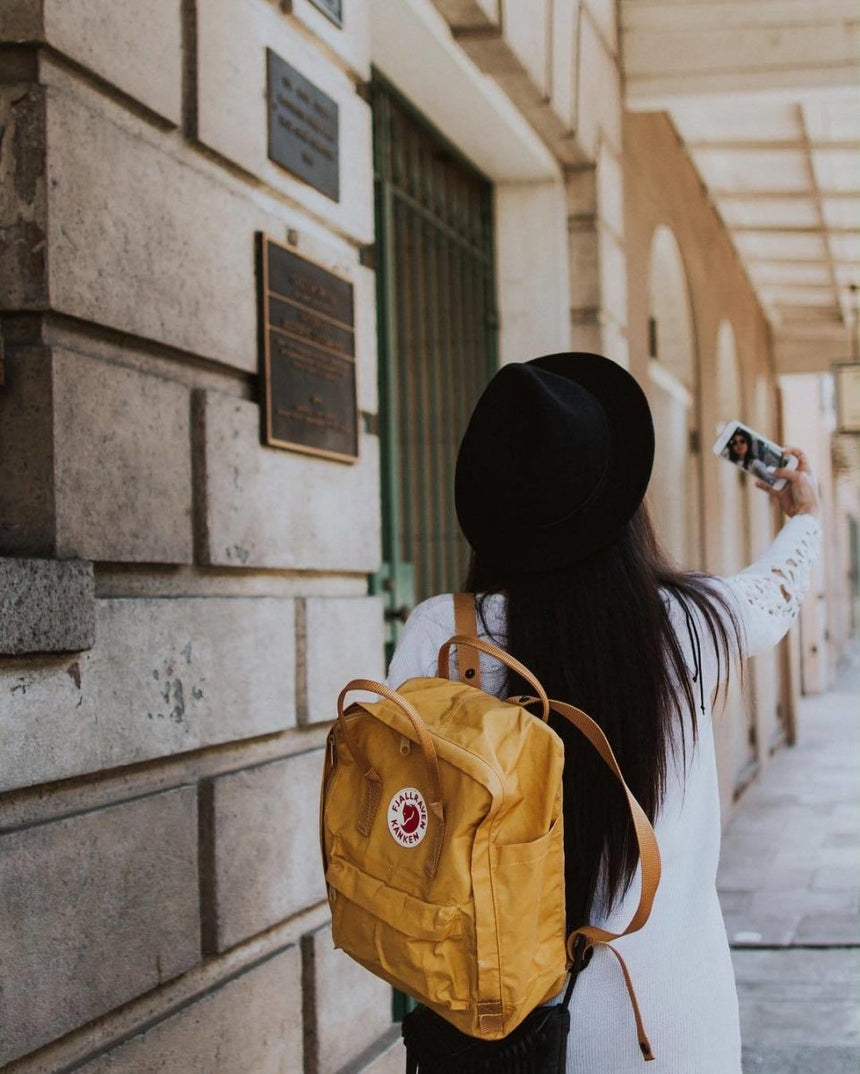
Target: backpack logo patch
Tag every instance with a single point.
(407, 817)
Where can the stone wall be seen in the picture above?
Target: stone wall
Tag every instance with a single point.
(172, 591)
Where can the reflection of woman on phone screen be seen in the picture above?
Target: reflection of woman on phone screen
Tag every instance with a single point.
(742, 454)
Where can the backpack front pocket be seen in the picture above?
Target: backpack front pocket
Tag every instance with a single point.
(528, 888)
(422, 948)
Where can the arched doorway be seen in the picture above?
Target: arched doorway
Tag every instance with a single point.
(675, 493)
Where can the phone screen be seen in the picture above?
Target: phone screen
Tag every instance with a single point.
(754, 454)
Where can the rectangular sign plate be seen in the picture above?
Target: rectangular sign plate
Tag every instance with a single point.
(308, 329)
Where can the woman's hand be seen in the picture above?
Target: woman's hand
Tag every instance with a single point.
(799, 494)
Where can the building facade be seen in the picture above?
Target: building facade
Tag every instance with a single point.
(256, 262)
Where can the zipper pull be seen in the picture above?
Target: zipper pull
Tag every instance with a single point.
(405, 746)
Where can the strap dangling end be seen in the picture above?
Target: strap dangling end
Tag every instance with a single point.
(645, 1048)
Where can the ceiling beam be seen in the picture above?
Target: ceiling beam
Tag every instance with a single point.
(790, 229)
(819, 208)
(769, 259)
(778, 145)
(680, 51)
(786, 195)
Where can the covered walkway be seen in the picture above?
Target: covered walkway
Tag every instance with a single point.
(790, 887)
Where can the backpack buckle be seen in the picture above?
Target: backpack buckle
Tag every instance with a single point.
(582, 954)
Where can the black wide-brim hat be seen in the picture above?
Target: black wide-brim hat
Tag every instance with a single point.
(554, 462)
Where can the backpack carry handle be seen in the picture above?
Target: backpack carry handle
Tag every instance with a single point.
(443, 665)
(372, 777)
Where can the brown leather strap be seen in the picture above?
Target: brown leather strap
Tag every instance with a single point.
(649, 853)
(373, 792)
(644, 1043)
(497, 654)
(466, 623)
(649, 857)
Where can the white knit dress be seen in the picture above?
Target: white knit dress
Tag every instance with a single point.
(680, 962)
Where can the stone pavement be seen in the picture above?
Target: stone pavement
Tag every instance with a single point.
(789, 885)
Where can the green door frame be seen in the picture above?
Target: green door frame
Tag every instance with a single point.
(437, 330)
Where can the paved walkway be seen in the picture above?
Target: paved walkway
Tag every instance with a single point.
(790, 887)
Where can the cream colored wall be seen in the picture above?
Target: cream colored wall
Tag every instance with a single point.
(825, 623)
(663, 192)
(673, 389)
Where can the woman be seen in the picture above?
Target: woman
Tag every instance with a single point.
(742, 452)
(550, 480)
(740, 448)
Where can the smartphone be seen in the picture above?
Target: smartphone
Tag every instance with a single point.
(753, 452)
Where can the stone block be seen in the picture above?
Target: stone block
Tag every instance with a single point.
(604, 13)
(581, 192)
(564, 57)
(266, 845)
(362, 1002)
(613, 343)
(583, 244)
(586, 335)
(232, 107)
(470, 14)
(135, 47)
(122, 446)
(48, 606)
(599, 104)
(364, 295)
(167, 269)
(532, 259)
(345, 640)
(252, 1024)
(391, 1061)
(165, 676)
(610, 190)
(526, 30)
(266, 507)
(97, 908)
(613, 277)
(27, 453)
(350, 42)
(21, 20)
(23, 198)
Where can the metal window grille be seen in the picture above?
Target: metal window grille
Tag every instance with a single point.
(437, 332)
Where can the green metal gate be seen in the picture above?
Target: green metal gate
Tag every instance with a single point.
(437, 342)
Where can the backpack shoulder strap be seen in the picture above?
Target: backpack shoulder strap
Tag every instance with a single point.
(466, 622)
(587, 936)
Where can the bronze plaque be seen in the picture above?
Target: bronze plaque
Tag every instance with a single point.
(309, 356)
(332, 8)
(303, 128)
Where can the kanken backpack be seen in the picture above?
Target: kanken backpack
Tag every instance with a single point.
(442, 840)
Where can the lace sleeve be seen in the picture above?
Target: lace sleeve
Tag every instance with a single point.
(768, 594)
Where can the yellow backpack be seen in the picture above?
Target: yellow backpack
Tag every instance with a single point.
(442, 840)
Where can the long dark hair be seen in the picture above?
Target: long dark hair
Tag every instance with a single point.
(598, 635)
(733, 455)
